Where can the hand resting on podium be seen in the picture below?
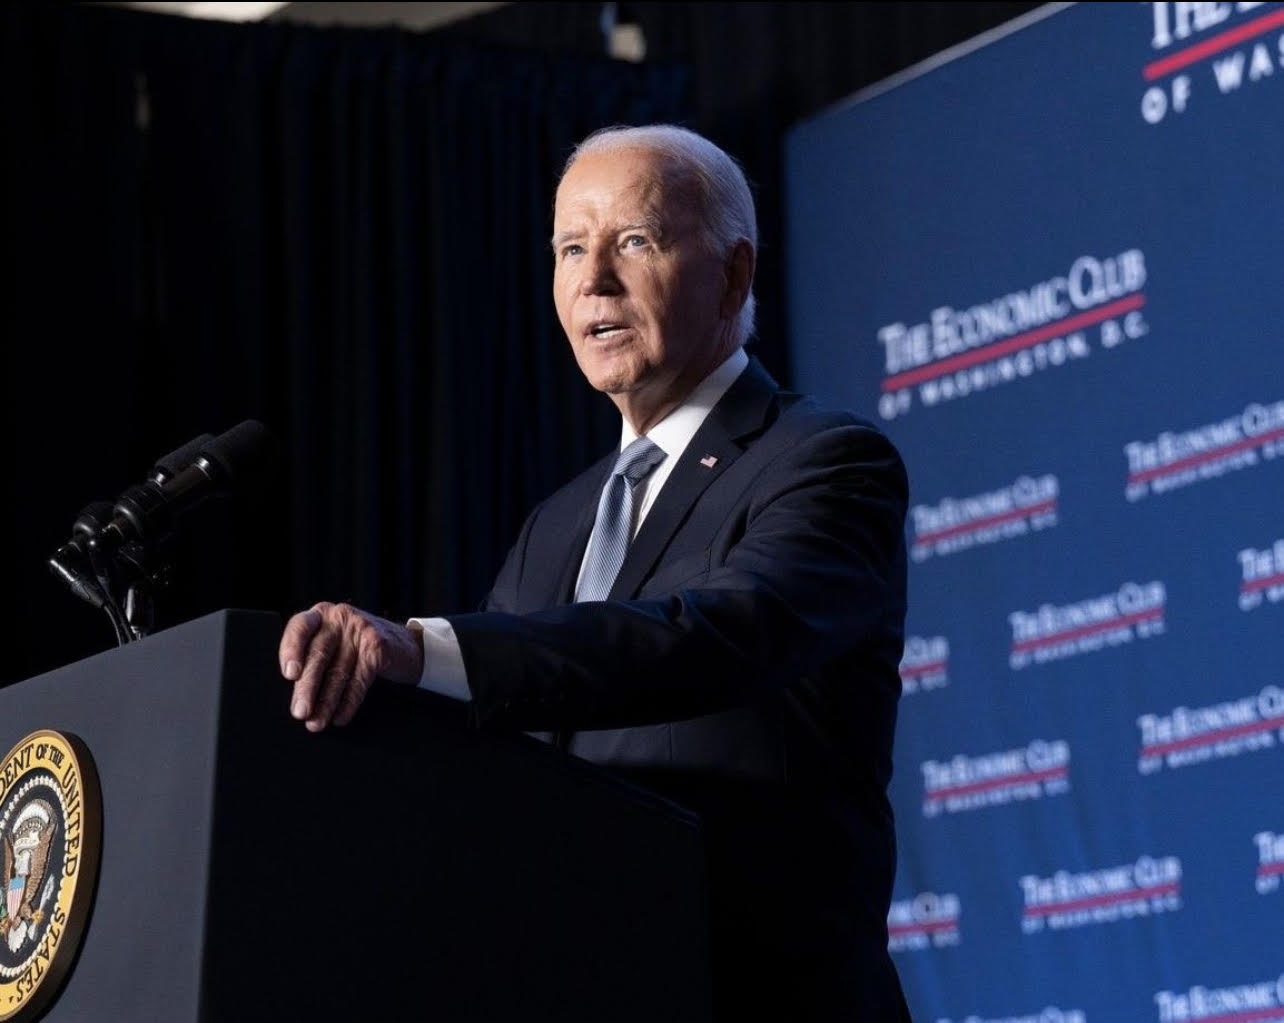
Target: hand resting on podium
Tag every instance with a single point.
(333, 652)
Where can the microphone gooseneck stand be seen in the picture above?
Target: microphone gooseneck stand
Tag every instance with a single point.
(119, 557)
(123, 581)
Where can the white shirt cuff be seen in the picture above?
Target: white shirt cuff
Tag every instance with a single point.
(444, 671)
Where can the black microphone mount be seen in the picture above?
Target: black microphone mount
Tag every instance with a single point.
(119, 556)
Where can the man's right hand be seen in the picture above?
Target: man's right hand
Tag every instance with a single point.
(332, 653)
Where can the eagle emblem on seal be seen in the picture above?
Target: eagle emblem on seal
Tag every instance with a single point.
(26, 856)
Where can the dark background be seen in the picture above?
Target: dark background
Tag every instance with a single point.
(343, 233)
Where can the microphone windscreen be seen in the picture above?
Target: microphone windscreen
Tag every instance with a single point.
(169, 466)
(244, 452)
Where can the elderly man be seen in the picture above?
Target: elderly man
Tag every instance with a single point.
(715, 610)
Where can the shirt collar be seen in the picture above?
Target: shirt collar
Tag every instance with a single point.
(673, 433)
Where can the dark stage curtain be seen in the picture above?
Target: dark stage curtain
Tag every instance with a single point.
(342, 233)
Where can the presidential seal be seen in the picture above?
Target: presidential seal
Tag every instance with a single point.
(50, 830)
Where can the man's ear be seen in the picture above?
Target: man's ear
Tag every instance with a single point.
(739, 270)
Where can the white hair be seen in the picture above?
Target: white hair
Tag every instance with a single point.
(722, 194)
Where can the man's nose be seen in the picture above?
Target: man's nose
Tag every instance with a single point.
(600, 277)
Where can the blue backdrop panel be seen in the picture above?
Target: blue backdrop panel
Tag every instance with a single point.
(1053, 269)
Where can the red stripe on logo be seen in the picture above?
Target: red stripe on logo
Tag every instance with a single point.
(1204, 456)
(1013, 344)
(1087, 630)
(924, 928)
(1211, 737)
(992, 520)
(1222, 41)
(1261, 584)
(996, 783)
(1251, 1016)
(910, 670)
(1104, 900)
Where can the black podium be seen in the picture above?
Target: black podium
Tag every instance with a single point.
(405, 867)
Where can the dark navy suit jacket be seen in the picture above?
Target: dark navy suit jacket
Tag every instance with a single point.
(745, 664)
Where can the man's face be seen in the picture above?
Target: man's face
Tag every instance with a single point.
(642, 300)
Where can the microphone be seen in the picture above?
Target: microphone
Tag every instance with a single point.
(71, 561)
(169, 466)
(202, 468)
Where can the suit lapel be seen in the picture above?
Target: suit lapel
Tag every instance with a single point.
(721, 439)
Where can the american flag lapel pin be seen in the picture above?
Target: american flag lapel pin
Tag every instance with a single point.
(709, 461)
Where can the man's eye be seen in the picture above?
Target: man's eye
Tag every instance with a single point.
(635, 241)
(572, 250)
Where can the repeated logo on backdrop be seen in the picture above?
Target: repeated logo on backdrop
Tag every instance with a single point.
(1055, 632)
(1270, 861)
(1260, 1001)
(1263, 576)
(965, 783)
(1064, 899)
(928, 920)
(1243, 440)
(1065, 308)
(955, 524)
(957, 352)
(1224, 47)
(1185, 736)
(925, 665)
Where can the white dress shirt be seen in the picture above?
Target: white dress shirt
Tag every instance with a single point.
(444, 663)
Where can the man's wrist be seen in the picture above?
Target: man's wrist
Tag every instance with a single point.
(442, 668)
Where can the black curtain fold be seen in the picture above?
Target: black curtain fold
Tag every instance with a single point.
(342, 233)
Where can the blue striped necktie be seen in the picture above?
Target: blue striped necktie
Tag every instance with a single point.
(616, 510)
